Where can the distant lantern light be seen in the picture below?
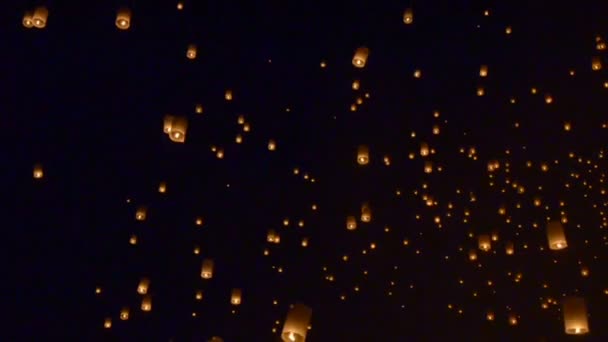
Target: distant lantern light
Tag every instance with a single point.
(272, 145)
(363, 155)
(424, 149)
(596, 64)
(408, 16)
(207, 269)
(484, 242)
(356, 85)
(548, 99)
(428, 167)
(556, 235)
(146, 304)
(28, 19)
(509, 248)
(296, 323)
(238, 139)
(417, 73)
(107, 323)
(481, 91)
(143, 286)
(191, 52)
(141, 213)
(228, 95)
(124, 314)
(198, 109)
(40, 17)
(180, 5)
(236, 297)
(351, 223)
(472, 255)
(366, 213)
(575, 316)
(123, 19)
(483, 71)
(360, 57)
(176, 127)
(38, 171)
(162, 187)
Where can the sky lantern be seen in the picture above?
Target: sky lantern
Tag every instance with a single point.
(228, 95)
(124, 314)
(509, 248)
(273, 237)
(272, 145)
(207, 269)
(351, 223)
(123, 18)
(596, 63)
(556, 236)
(408, 16)
(236, 297)
(107, 323)
(424, 149)
(356, 85)
(428, 167)
(296, 323)
(38, 171)
(198, 109)
(483, 71)
(146, 303)
(363, 155)
(40, 16)
(360, 57)
(366, 212)
(472, 255)
(162, 187)
(140, 213)
(575, 316)
(175, 127)
(144, 285)
(191, 51)
(484, 242)
(28, 19)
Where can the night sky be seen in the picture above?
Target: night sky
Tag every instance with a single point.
(504, 100)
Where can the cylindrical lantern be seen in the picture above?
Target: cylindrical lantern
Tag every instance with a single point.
(146, 303)
(143, 286)
(472, 255)
(360, 57)
(124, 314)
(191, 52)
(356, 85)
(38, 172)
(366, 212)
(351, 223)
(296, 323)
(140, 214)
(428, 167)
(207, 269)
(235, 298)
(575, 316)
(162, 187)
(596, 63)
(484, 242)
(123, 18)
(483, 71)
(272, 145)
(28, 20)
(40, 16)
(509, 248)
(228, 95)
(179, 126)
(271, 236)
(198, 109)
(107, 323)
(167, 123)
(424, 149)
(363, 155)
(408, 16)
(556, 235)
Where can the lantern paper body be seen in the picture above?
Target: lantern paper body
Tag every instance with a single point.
(38, 172)
(483, 71)
(207, 269)
(366, 213)
(272, 145)
(360, 57)
(596, 64)
(140, 214)
(408, 16)
(484, 242)
(28, 20)
(162, 187)
(575, 316)
(146, 304)
(472, 255)
(107, 323)
(509, 248)
(235, 298)
(351, 223)
(176, 127)
(424, 149)
(124, 314)
(228, 95)
(556, 236)
(363, 155)
(191, 52)
(143, 286)
(296, 324)
(40, 17)
(428, 167)
(123, 19)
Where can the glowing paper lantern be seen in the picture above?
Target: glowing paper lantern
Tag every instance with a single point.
(596, 64)
(363, 155)
(162, 187)
(40, 17)
(424, 149)
(556, 236)
(144, 285)
(140, 213)
(124, 314)
(272, 145)
(366, 213)
(28, 19)
(123, 18)
(38, 172)
(509, 248)
(146, 304)
(296, 323)
(360, 57)
(484, 242)
(176, 127)
(351, 223)
(483, 71)
(107, 323)
(228, 95)
(575, 316)
(236, 297)
(408, 16)
(191, 52)
(207, 269)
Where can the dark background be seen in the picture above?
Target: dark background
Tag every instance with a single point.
(86, 100)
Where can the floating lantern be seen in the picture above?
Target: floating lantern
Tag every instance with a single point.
(472, 255)
(304, 242)
(556, 235)
(273, 237)
(40, 17)
(366, 213)
(351, 223)
(107, 323)
(356, 85)
(146, 304)
(28, 19)
(123, 18)
(198, 109)
(162, 187)
(481, 91)
(176, 127)
(143, 286)
(408, 16)
(228, 95)
(207, 269)
(596, 64)
(575, 316)
(180, 5)
(140, 213)
(360, 57)
(509, 248)
(428, 167)
(484, 242)
(424, 149)
(296, 323)
(124, 314)
(363, 155)
(235, 298)
(483, 71)
(38, 172)
(198, 295)
(272, 145)
(191, 52)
